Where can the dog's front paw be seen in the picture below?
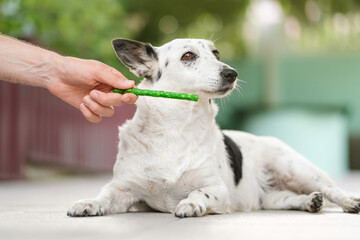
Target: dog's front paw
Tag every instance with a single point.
(187, 208)
(84, 208)
(315, 202)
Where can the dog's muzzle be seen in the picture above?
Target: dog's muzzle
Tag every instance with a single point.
(228, 75)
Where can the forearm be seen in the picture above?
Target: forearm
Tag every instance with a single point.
(27, 64)
(84, 84)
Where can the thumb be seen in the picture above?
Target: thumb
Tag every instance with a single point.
(112, 77)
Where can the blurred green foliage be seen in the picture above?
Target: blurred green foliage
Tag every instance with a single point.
(327, 25)
(84, 28)
(78, 28)
(329, 7)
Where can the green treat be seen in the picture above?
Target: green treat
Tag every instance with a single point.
(152, 93)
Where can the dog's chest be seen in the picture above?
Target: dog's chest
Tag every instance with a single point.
(167, 177)
(163, 188)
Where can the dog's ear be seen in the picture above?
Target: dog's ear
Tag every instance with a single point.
(141, 58)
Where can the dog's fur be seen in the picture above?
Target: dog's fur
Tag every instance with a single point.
(174, 158)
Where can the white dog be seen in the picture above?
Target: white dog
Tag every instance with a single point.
(174, 158)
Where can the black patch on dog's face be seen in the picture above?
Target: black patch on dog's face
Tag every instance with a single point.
(235, 158)
(167, 63)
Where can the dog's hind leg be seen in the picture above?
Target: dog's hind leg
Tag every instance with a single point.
(348, 203)
(111, 199)
(299, 175)
(314, 180)
(284, 200)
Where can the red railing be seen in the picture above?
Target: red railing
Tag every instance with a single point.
(38, 126)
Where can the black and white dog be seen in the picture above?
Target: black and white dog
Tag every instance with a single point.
(174, 158)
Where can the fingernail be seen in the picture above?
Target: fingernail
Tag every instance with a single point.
(129, 82)
(82, 107)
(87, 100)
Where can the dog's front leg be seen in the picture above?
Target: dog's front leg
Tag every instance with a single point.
(211, 199)
(111, 199)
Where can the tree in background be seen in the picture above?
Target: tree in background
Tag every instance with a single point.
(85, 28)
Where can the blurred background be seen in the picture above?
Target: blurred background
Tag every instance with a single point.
(299, 62)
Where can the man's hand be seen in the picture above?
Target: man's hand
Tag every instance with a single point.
(88, 85)
(85, 84)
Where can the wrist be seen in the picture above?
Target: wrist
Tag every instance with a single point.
(55, 67)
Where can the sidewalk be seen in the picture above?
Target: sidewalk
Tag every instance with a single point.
(37, 210)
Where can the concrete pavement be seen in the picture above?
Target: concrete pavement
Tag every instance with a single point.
(37, 210)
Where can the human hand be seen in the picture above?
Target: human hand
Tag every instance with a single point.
(87, 85)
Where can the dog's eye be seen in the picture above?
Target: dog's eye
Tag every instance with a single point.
(188, 56)
(217, 54)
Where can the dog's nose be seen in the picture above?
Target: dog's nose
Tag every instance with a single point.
(229, 75)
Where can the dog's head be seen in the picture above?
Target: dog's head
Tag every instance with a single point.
(182, 65)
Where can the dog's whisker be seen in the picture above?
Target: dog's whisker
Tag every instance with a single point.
(212, 35)
(222, 105)
(241, 81)
(239, 87)
(214, 41)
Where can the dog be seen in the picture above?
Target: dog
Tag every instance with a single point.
(174, 158)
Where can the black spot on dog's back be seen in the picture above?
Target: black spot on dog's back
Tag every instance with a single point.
(235, 158)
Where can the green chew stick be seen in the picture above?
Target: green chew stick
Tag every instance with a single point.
(152, 93)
